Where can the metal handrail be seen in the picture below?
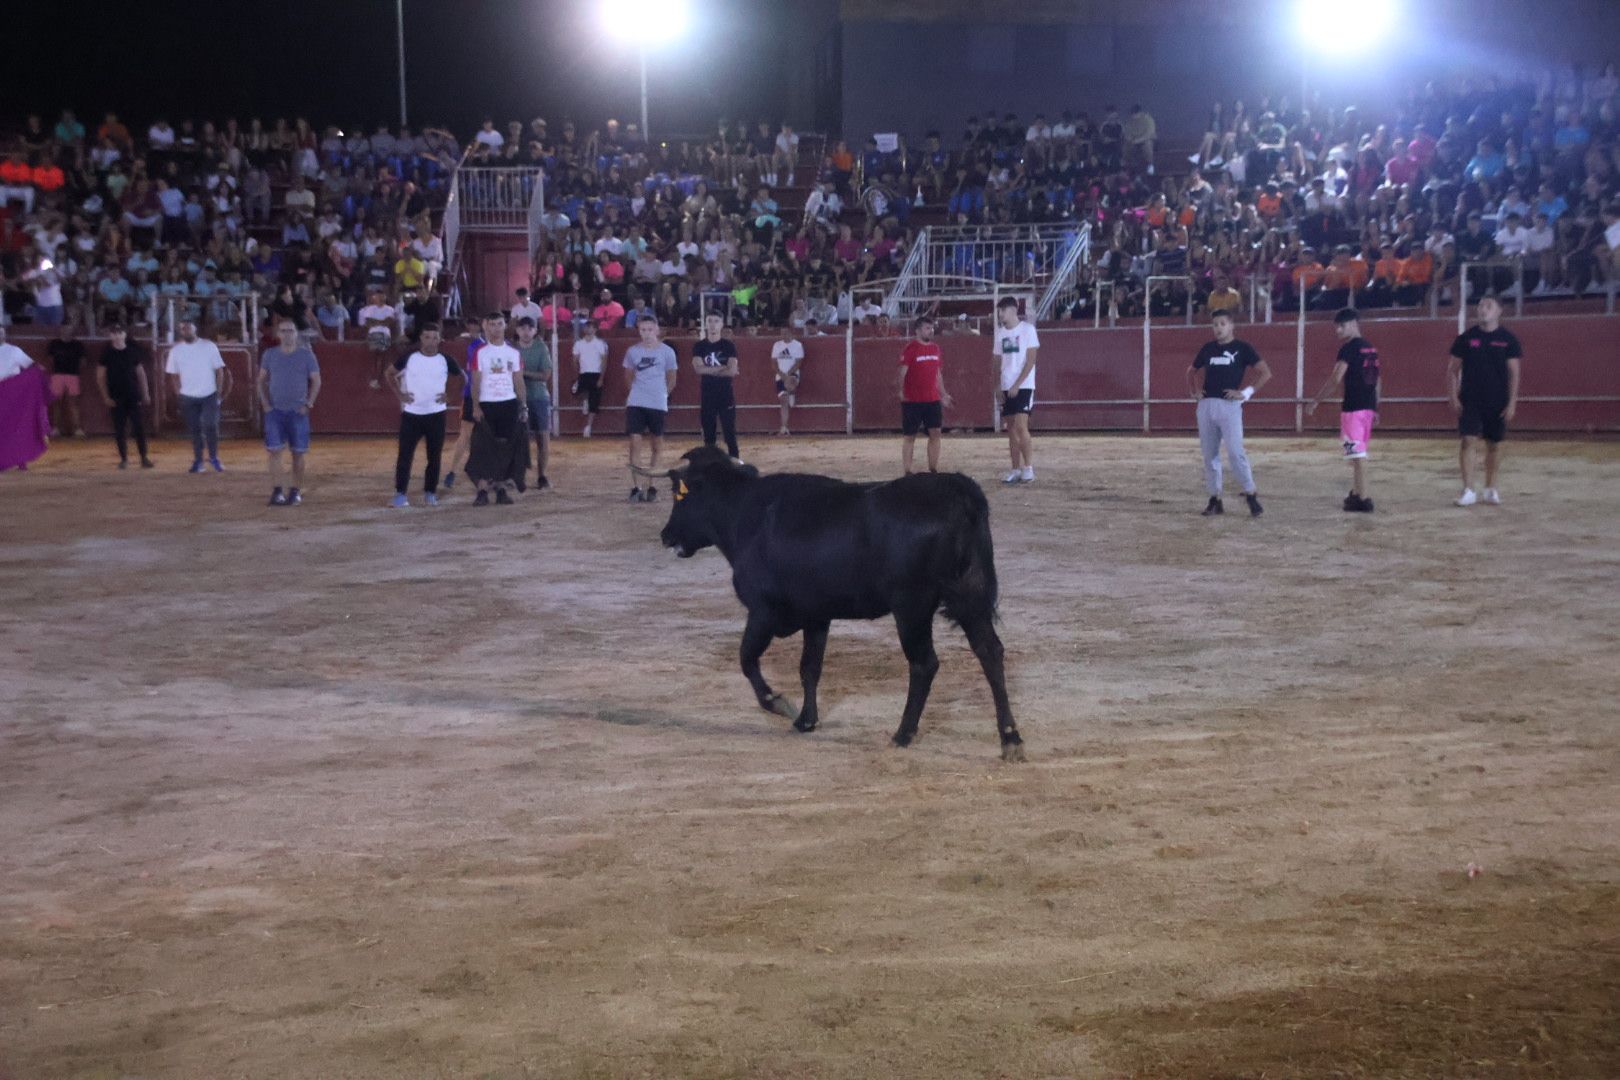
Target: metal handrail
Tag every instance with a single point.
(1079, 250)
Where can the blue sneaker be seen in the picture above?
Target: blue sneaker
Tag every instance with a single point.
(215, 463)
(399, 503)
(196, 466)
(431, 499)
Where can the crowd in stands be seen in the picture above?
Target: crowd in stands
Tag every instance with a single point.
(1279, 201)
(97, 223)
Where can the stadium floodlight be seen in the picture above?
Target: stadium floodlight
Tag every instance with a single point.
(649, 24)
(1328, 28)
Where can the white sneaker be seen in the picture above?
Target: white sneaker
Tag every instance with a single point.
(1467, 498)
(1492, 497)
(1028, 475)
(1014, 477)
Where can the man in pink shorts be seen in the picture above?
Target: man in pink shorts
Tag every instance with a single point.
(1357, 368)
(67, 361)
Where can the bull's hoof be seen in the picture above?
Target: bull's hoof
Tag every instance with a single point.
(1012, 751)
(806, 726)
(780, 705)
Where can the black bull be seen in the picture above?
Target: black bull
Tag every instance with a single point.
(805, 550)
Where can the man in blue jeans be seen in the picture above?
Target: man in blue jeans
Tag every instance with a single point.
(289, 382)
(199, 379)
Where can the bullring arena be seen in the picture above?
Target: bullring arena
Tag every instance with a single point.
(326, 786)
(360, 794)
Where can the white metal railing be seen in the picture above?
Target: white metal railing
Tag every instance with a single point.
(495, 199)
(169, 310)
(906, 281)
(1065, 283)
(1027, 257)
(537, 208)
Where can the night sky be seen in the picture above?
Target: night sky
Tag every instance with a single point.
(334, 61)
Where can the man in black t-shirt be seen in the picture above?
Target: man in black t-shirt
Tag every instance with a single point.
(1356, 367)
(1483, 378)
(121, 378)
(715, 359)
(1220, 399)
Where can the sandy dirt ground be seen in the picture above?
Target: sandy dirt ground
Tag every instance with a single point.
(345, 792)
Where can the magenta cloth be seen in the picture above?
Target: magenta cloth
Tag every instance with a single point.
(24, 423)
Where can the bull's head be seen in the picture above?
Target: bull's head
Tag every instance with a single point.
(701, 499)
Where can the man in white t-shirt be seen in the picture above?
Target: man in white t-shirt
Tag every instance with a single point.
(488, 136)
(1016, 344)
(377, 318)
(525, 309)
(420, 380)
(199, 380)
(590, 354)
(788, 352)
(500, 443)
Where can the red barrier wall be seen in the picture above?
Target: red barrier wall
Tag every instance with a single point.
(1088, 380)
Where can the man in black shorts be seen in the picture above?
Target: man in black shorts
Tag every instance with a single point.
(650, 366)
(1016, 344)
(1483, 378)
(714, 357)
(922, 394)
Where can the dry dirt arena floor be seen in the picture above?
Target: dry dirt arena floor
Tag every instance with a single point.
(346, 792)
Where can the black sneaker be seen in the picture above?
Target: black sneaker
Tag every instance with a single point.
(482, 499)
(541, 483)
(148, 463)
(1213, 508)
(1255, 509)
(1352, 503)
(123, 464)
(448, 482)
(294, 498)
(277, 498)
(1364, 506)
(502, 498)
(635, 495)
(651, 495)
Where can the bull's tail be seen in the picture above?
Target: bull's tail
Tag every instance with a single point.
(968, 593)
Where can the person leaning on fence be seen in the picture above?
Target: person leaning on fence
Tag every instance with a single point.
(289, 383)
(200, 380)
(377, 318)
(590, 356)
(788, 352)
(121, 378)
(1220, 394)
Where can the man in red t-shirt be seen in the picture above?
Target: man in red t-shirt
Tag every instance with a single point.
(923, 400)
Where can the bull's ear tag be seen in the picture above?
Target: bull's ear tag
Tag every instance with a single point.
(680, 490)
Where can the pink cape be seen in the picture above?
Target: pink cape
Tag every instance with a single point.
(24, 423)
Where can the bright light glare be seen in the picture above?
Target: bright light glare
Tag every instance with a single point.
(648, 23)
(1333, 28)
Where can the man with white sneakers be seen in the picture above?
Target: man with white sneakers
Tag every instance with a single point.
(1483, 379)
(1016, 344)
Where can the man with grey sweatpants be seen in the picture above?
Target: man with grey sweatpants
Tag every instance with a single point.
(1220, 408)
